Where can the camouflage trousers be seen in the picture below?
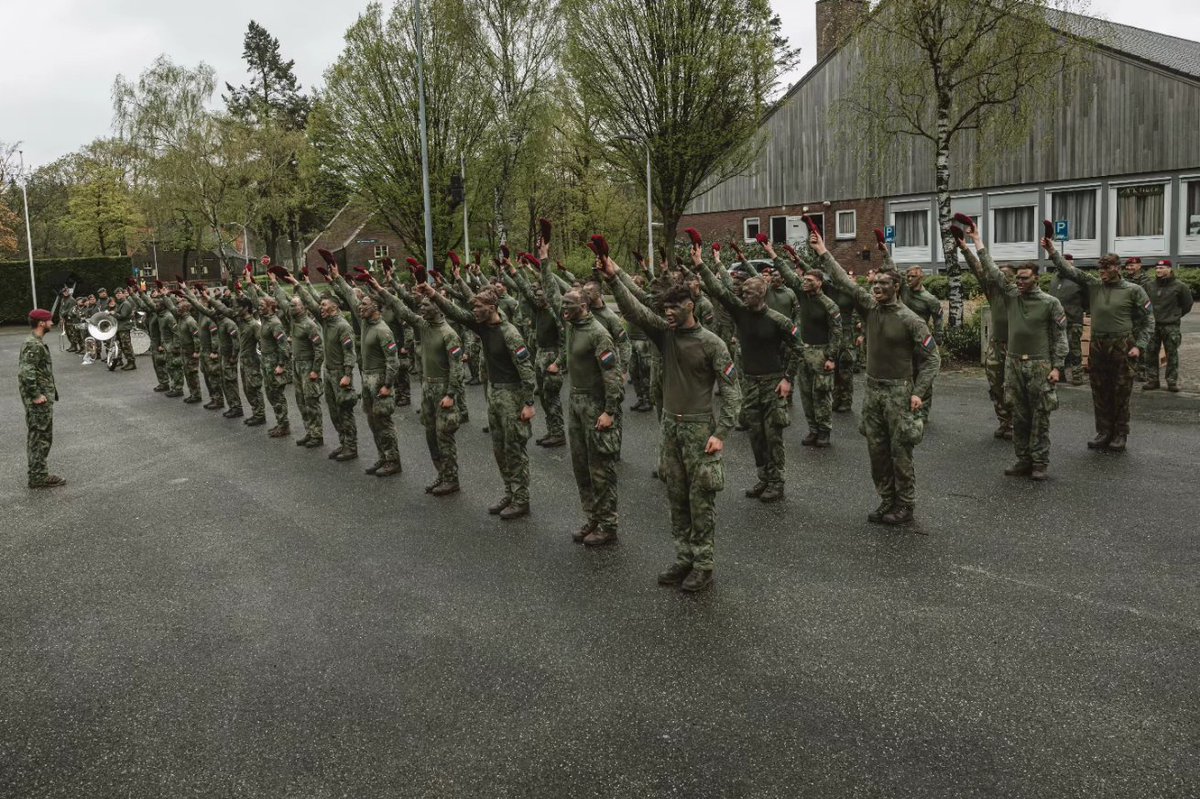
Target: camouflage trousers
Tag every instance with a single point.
(1166, 337)
(639, 368)
(159, 361)
(843, 377)
(229, 381)
(252, 385)
(340, 402)
(379, 411)
(656, 380)
(75, 336)
(125, 343)
(594, 460)
(993, 367)
(693, 479)
(1110, 371)
(308, 398)
(473, 350)
(39, 422)
(765, 413)
(1032, 398)
(191, 373)
(402, 389)
(549, 391)
(816, 390)
(891, 430)
(174, 364)
(210, 368)
(440, 426)
(509, 438)
(1074, 358)
(273, 386)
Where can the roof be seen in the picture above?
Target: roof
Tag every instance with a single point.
(1171, 52)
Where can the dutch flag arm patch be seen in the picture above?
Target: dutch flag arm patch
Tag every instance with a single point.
(348, 343)
(456, 352)
(728, 371)
(521, 353)
(608, 359)
(391, 346)
(928, 342)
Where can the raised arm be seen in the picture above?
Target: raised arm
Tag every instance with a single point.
(451, 309)
(637, 313)
(388, 299)
(829, 265)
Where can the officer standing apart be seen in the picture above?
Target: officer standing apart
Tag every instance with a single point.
(902, 362)
(1122, 324)
(35, 375)
(694, 360)
(1172, 300)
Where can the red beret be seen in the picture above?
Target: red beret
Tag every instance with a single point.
(1133, 260)
(1163, 262)
(39, 315)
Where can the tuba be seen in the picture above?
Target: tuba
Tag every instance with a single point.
(102, 326)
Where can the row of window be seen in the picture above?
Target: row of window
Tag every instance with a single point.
(792, 228)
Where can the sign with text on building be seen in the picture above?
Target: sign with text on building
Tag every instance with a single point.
(1062, 230)
(889, 234)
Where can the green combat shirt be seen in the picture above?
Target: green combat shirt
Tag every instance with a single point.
(1171, 298)
(762, 334)
(593, 365)
(35, 373)
(820, 322)
(899, 344)
(273, 344)
(187, 335)
(1037, 324)
(1119, 309)
(694, 360)
(924, 305)
(441, 347)
(995, 289)
(380, 352)
(124, 314)
(508, 360)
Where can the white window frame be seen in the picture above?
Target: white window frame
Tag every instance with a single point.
(1013, 250)
(915, 255)
(1080, 248)
(746, 220)
(969, 205)
(1140, 245)
(771, 227)
(837, 225)
(1188, 244)
(381, 251)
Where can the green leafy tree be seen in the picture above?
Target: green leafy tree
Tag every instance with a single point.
(688, 79)
(103, 216)
(938, 69)
(273, 93)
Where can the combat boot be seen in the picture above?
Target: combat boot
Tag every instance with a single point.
(810, 439)
(1100, 441)
(1003, 431)
(375, 467)
(49, 481)
(822, 439)
(333, 455)
(1038, 473)
(129, 367)
(173, 393)
(774, 493)
(282, 431)
(876, 516)
(495, 508)
(1019, 470)
(899, 514)
(1077, 377)
(300, 442)
(514, 512)
(233, 413)
(429, 489)
(755, 491)
(347, 454)
(255, 421)
(1173, 387)
(313, 443)
(1117, 444)
(389, 468)
(161, 388)
(675, 574)
(445, 489)
(697, 580)
(550, 442)
(583, 532)
(599, 538)
(1150, 385)
(213, 405)
(193, 400)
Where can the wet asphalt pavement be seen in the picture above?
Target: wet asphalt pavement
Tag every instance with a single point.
(203, 611)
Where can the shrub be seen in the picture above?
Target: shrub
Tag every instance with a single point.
(962, 343)
(939, 286)
(52, 274)
(1191, 276)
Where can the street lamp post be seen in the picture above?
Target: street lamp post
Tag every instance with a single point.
(424, 136)
(28, 231)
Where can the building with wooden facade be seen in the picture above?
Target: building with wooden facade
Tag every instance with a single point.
(1119, 160)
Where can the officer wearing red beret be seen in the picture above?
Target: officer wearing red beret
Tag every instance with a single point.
(35, 376)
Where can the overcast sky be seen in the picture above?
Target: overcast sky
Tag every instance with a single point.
(59, 57)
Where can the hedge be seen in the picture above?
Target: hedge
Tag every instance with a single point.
(52, 274)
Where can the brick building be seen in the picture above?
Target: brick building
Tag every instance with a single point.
(357, 237)
(1119, 160)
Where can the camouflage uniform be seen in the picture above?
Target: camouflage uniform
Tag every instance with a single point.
(227, 346)
(403, 336)
(510, 388)
(548, 338)
(157, 359)
(615, 326)
(35, 376)
(380, 366)
(844, 364)
(1172, 300)
(308, 356)
(124, 314)
(929, 309)
(694, 360)
(1073, 300)
(1037, 345)
(1122, 318)
(337, 338)
(170, 346)
(187, 333)
(210, 356)
(902, 362)
(70, 315)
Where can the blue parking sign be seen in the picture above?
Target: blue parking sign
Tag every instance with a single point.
(1062, 230)
(889, 234)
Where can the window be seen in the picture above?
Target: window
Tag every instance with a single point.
(1014, 225)
(1141, 210)
(912, 228)
(779, 229)
(1191, 205)
(749, 227)
(847, 224)
(1078, 208)
(381, 251)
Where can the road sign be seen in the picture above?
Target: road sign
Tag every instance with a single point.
(1062, 230)
(889, 234)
